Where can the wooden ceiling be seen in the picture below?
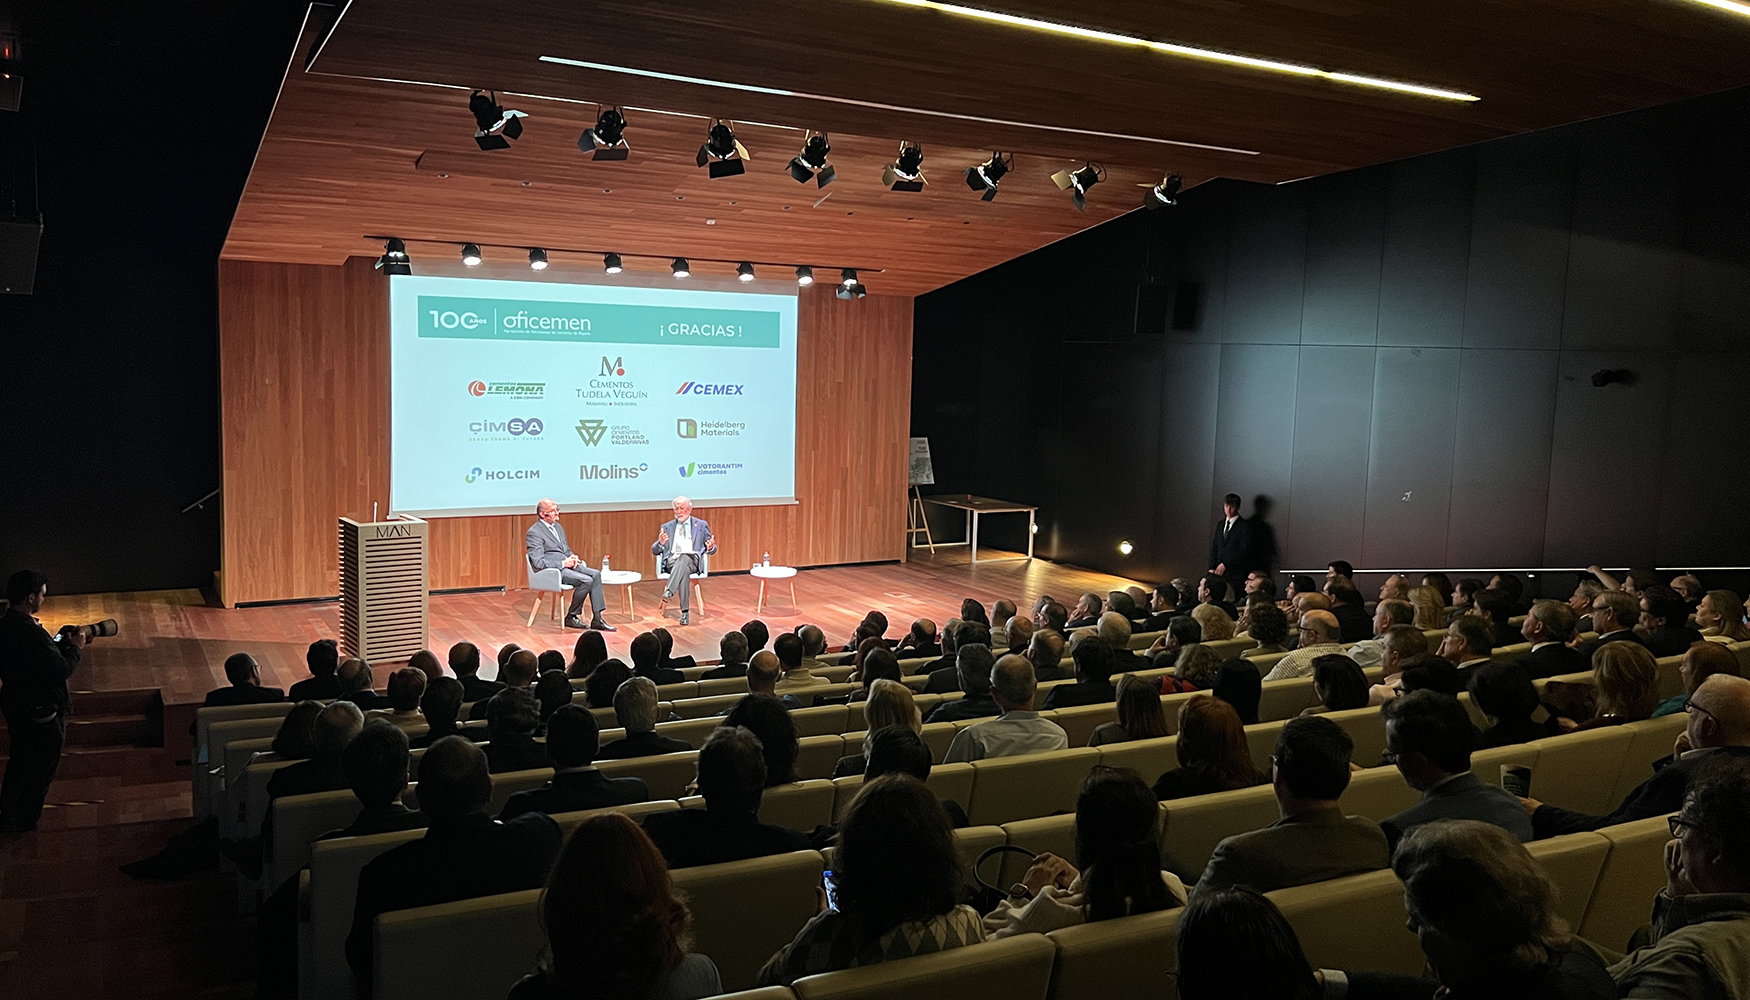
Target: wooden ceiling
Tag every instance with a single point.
(371, 132)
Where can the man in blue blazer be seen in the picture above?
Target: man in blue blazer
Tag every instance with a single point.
(549, 549)
(683, 544)
(1429, 736)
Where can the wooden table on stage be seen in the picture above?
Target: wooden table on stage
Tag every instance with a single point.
(977, 506)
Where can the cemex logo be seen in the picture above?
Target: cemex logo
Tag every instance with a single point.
(515, 427)
(615, 367)
(707, 389)
(591, 431)
(476, 474)
(686, 428)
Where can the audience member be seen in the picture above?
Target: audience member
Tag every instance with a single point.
(1193, 670)
(323, 661)
(637, 711)
(890, 703)
(1549, 627)
(1614, 614)
(796, 673)
(598, 691)
(1429, 672)
(441, 704)
(465, 664)
(1701, 661)
(549, 661)
(1338, 683)
(897, 876)
(1183, 631)
(1350, 611)
(880, 664)
(1163, 604)
(763, 672)
(972, 611)
(573, 740)
(1234, 943)
(465, 853)
(1212, 590)
(1215, 622)
(1510, 586)
(1299, 584)
(331, 729)
(1237, 682)
(1718, 726)
(1428, 736)
(1494, 607)
(1340, 572)
(1430, 607)
(1369, 653)
(1624, 688)
(1469, 642)
(757, 635)
(1721, 617)
(426, 662)
(1632, 582)
(406, 687)
(973, 663)
(512, 717)
(1664, 622)
(1045, 651)
(1319, 634)
(1115, 629)
(1463, 598)
(732, 779)
(1087, 611)
(1442, 585)
(1053, 616)
(1399, 644)
(1395, 588)
(354, 675)
(646, 653)
(375, 765)
(1094, 669)
(552, 692)
(295, 739)
(1118, 851)
(1000, 613)
(920, 642)
(245, 677)
(1268, 627)
(1019, 729)
(667, 661)
(1018, 634)
(518, 670)
(1187, 591)
(1313, 841)
(1688, 587)
(1212, 752)
(900, 750)
(767, 718)
(1139, 714)
(732, 654)
(1585, 592)
(616, 927)
(589, 652)
(1122, 603)
(1503, 692)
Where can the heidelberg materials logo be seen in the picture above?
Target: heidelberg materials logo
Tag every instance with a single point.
(508, 390)
(689, 429)
(592, 431)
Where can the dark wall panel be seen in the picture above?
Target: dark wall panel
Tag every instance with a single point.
(1345, 229)
(1190, 384)
(1254, 429)
(1426, 250)
(1500, 460)
(1701, 509)
(1409, 470)
(1266, 267)
(1519, 241)
(1333, 420)
(1101, 464)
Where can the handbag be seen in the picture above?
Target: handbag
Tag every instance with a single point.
(985, 897)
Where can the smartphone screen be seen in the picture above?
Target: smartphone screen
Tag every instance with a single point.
(832, 894)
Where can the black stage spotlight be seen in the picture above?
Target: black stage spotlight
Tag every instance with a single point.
(1079, 182)
(680, 267)
(723, 151)
(471, 254)
(394, 259)
(985, 176)
(537, 260)
(607, 141)
(907, 172)
(611, 263)
(805, 276)
(851, 290)
(495, 125)
(811, 162)
(848, 276)
(744, 271)
(1163, 195)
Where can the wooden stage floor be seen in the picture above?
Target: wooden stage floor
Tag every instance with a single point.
(176, 642)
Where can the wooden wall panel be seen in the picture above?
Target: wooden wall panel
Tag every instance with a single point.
(304, 363)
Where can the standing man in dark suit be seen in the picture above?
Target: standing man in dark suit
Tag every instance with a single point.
(1230, 551)
(245, 677)
(683, 544)
(573, 737)
(549, 549)
(33, 695)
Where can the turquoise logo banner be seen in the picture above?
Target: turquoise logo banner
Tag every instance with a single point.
(458, 318)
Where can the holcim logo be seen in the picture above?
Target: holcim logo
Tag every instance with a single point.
(476, 474)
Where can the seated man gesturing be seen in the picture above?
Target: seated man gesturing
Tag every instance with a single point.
(682, 543)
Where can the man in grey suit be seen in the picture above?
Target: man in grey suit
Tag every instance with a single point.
(548, 549)
(1429, 736)
(683, 544)
(1313, 841)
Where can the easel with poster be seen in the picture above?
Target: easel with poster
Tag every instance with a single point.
(920, 473)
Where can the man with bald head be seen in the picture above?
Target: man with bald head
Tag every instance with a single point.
(1045, 652)
(548, 548)
(1718, 726)
(763, 672)
(1019, 729)
(1395, 588)
(920, 642)
(1018, 632)
(465, 853)
(1319, 635)
(1000, 613)
(682, 544)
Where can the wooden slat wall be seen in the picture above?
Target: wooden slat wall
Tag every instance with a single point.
(304, 362)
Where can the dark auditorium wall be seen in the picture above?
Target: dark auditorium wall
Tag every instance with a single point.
(1398, 357)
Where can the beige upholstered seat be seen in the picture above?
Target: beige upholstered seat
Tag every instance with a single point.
(1574, 863)
(1149, 758)
(1006, 788)
(297, 821)
(327, 911)
(1016, 968)
(1650, 740)
(817, 755)
(1354, 923)
(209, 756)
(1579, 770)
(1195, 825)
(1633, 873)
(473, 948)
(744, 911)
(1366, 726)
(1111, 959)
(799, 805)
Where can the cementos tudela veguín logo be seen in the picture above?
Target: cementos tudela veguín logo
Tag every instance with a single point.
(708, 389)
(477, 474)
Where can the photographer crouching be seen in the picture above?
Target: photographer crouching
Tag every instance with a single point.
(34, 669)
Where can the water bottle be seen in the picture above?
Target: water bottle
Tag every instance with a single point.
(768, 560)
(605, 558)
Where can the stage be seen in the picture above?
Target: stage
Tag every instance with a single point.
(176, 641)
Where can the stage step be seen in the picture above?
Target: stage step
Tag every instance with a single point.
(131, 717)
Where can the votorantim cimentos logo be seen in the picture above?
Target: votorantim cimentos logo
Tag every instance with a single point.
(612, 471)
(477, 474)
(692, 469)
(688, 428)
(592, 431)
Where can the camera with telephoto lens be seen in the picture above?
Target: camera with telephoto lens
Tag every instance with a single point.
(91, 631)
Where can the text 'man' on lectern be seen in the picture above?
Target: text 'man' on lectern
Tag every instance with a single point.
(384, 614)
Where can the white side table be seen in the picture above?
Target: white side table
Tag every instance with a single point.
(623, 578)
(766, 573)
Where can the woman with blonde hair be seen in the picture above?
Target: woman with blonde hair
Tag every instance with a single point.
(1430, 605)
(1625, 683)
(1216, 624)
(1139, 714)
(890, 703)
(1721, 617)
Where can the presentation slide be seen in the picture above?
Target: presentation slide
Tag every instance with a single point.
(603, 397)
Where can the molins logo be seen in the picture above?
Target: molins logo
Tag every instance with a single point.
(708, 389)
(612, 471)
(476, 474)
(503, 430)
(509, 390)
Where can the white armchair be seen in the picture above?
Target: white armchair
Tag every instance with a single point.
(544, 582)
(698, 591)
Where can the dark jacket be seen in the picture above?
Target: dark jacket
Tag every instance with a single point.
(943, 680)
(431, 736)
(575, 789)
(1464, 796)
(1554, 660)
(1662, 793)
(642, 745)
(1312, 847)
(366, 700)
(479, 689)
(1079, 693)
(315, 689)
(924, 651)
(723, 671)
(660, 675)
(307, 777)
(1620, 635)
(690, 837)
(387, 819)
(1157, 623)
(464, 858)
(247, 694)
(34, 669)
(508, 752)
(1231, 548)
(1511, 732)
(1184, 782)
(1671, 640)
(1353, 620)
(973, 706)
(1572, 974)
(1086, 622)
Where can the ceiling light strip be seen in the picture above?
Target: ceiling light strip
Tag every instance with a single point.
(775, 92)
(1727, 5)
(1211, 55)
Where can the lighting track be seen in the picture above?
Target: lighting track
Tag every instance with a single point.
(587, 251)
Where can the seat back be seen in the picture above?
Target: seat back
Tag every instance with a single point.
(1366, 726)
(817, 755)
(1009, 788)
(545, 580)
(821, 720)
(1261, 741)
(665, 775)
(1574, 863)
(1633, 873)
(472, 949)
(744, 911)
(1283, 699)
(246, 800)
(947, 781)
(723, 686)
(1108, 959)
(504, 785)
(800, 805)
(1354, 923)
(334, 879)
(937, 736)
(1650, 741)
(1378, 792)
(297, 821)
(693, 732)
(1195, 825)
(1013, 968)
(221, 731)
(1053, 834)
(1149, 758)
(1080, 721)
(1486, 764)
(1579, 770)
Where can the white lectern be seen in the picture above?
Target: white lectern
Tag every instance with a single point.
(383, 608)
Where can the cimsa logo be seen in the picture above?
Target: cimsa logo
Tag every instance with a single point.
(612, 471)
(477, 474)
(686, 428)
(707, 389)
(615, 367)
(592, 431)
(516, 427)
